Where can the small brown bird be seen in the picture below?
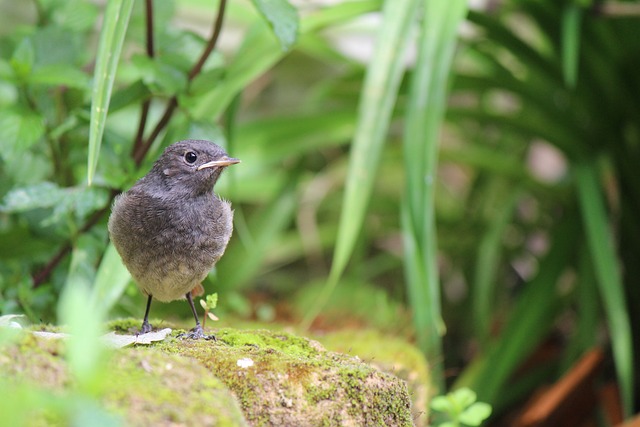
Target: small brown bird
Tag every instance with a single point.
(170, 228)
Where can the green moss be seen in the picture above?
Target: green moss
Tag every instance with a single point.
(390, 354)
(283, 342)
(144, 386)
(293, 381)
(185, 392)
(320, 392)
(131, 325)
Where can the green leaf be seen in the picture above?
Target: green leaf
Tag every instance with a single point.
(76, 15)
(134, 93)
(81, 200)
(56, 45)
(283, 19)
(6, 70)
(111, 281)
(59, 75)
(609, 280)
(86, 253)
(464, 396)
(19, 242)
(475, 414)
(338, 13)
(212, 301)
(84, 349)
(19, 130)
(114, 28)
(441, 404)
(41, 195)
(425, 113)
(23, 58)
(162, 78)
(571, 18)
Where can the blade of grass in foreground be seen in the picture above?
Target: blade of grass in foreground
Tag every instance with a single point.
(376, 104)
(111, 281)
(571, 42)
(608, 277)
(116, 20)
(427, 105)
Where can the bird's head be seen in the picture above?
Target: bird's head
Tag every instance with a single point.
(192, 166)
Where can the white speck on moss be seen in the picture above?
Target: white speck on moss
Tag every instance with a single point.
(245, 362)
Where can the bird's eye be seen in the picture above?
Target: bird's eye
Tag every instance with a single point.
(190, 157)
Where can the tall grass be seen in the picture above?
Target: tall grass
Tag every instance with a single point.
(559, 73)
(437, 25)
(425, 113)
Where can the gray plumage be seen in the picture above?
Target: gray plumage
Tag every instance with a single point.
(170, 228)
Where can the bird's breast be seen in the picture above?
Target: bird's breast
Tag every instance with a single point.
(170, 247)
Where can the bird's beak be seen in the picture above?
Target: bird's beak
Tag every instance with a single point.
(225, 161)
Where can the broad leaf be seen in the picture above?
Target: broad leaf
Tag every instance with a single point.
(282, 18)
(80, 200)
(19, 130)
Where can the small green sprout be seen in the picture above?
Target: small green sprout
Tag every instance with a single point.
(209, 303)
(459, 408)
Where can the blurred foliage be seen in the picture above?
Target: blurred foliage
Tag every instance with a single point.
(460, 408)
(536, 186)
(541, 75)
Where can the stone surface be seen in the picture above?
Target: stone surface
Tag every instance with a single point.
(392, 355)
(294, 381)
(140, 386)
(246, 377)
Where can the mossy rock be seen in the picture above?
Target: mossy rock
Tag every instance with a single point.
(392, 355)
(292, 381)
(141, 385)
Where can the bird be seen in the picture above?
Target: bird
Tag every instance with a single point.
(170, 228)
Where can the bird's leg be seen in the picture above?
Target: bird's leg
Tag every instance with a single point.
(197, 332)
(146, 327)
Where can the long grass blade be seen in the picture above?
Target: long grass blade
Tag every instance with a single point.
(114, 28)
(608, 276)
(376, 103)
(427, 105)
(571, 42)
(111, 281)
(588, 301)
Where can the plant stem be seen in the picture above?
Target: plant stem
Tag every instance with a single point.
(144, 113)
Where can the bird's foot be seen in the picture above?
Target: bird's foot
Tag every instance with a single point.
(197, 333)
(146, 328)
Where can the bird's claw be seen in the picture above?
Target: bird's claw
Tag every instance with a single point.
(197, 334)
(145, 329)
